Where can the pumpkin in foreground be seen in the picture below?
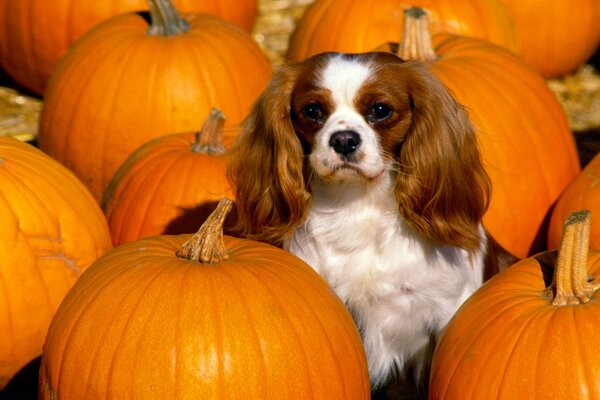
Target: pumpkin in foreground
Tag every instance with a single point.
(531, 332)
(170, 184)
(51, 229)
(202, 317)
(130, 80)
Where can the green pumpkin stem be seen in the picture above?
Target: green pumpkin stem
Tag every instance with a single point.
(206, 246)
(209, 140)
(165, 19)
(416, 40)
(570, 284)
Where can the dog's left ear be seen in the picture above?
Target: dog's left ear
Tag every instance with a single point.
(442, 187)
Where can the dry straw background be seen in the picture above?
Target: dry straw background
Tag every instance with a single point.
(579, 92)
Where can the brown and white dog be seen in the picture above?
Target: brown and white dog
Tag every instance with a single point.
(366, 167)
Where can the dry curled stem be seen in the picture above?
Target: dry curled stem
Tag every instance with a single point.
(570, 284)
(207, 246)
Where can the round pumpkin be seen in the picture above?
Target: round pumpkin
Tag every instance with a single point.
(531, 332)
(123, 85)
(355, 26)
(556, 36)
(527, 147)
(169, 185)
(51, 230)
(207, 317)
(582, 193)
(35, 34)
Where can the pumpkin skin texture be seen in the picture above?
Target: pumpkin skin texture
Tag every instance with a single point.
(556, 36)
(35, 34)
(168, 185)
(582, 193)
(145, 323)
(507, 341)
(523, 132)
(355, 26)
(120, 87)
(52, 229)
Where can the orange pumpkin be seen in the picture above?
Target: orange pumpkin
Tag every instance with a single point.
(35, 34)
(582, 193)
(51, 230)
(124, 84)
(525, 334)
(206, 317)
(355, 26)
(556, 36)
(169, 185)
(527, 147)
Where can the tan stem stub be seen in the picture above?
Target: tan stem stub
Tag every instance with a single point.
(165, 19)
(206, 246)
(209, 140)
(570, 284)
(416, 41)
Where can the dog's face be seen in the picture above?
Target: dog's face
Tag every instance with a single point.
(357, 117)
(351, 114)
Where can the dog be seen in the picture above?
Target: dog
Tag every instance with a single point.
(367, 168)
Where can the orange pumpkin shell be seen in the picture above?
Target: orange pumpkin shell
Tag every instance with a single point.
(120, 87)
(355, 26)
(167, 186)
(35, 34)
(508, 342)
(556, 36)
(582, 193)
(144, 323)
(51, 230)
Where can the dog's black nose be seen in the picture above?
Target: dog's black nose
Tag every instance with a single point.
(345, 142)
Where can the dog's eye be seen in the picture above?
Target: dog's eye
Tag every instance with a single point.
(314, 112)
(379, 112)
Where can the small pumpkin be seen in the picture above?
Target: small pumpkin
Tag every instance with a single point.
(523, 132)
(355, 26)
(128, 82)
(35, 34)
(169, 184)
(205, 316)
(51, 230)
(556, 36)
(582, 193)
(531, 332)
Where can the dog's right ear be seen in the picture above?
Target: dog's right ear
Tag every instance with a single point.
(266, 165)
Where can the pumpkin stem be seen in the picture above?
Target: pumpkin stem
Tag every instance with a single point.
(416, 40)
(209, 140)
(206, 246)
(165, 19)
(570, 284)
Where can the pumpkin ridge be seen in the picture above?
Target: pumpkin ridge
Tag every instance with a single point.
(132, 309)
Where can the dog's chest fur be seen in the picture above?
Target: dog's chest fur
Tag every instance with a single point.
(401, 289)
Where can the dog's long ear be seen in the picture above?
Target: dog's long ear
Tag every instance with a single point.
(442, 187)
(266, 167)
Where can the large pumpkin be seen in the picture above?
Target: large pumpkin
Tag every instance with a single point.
(528, 149)
(582, 193)
(355, 26)
(525, 334)
(51, 230)
(168, 185)
(124, 84)
(211, 317)
(556, 36)
(35, 34)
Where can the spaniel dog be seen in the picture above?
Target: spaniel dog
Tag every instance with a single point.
(365, 167)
